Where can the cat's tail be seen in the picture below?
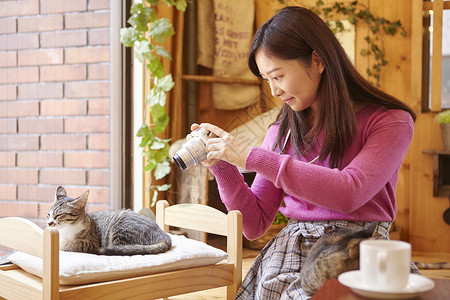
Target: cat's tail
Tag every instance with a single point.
(135, 249)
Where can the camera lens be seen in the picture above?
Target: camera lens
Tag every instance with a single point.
(179, 162)
(193, 151)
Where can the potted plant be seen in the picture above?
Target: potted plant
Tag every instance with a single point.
(443, 118)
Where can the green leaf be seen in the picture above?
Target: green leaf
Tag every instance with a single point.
(144, 130)
(156, 145)
(161, 28)
(156, 67)
(141, 16)
(153, 2)
(154, 198)
(149, 166)
(128, 36)
(166, 83)
(163, 187)
(156, 97)
(181, 5)
(160, 117)
(163, 52)
(162, 170)
(143, 51)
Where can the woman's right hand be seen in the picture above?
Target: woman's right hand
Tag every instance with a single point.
(206, 162)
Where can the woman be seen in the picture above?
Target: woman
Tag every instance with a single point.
(332, 155)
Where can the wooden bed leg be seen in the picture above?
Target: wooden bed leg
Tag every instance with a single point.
(50, 278)
(161, 205)
(234, 249)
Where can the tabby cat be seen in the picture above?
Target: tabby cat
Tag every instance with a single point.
(114, 232)
(336, 252)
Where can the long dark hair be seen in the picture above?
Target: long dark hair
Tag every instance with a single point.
(293, 34)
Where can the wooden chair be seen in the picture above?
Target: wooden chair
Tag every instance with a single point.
(23, 235)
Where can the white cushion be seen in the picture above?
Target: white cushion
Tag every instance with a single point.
(81, 268)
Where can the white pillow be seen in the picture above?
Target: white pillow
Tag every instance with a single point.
(81, 268)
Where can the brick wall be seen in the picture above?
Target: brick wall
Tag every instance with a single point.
(54, 103)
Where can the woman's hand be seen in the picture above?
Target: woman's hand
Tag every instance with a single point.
(223, 146)
(207, 162)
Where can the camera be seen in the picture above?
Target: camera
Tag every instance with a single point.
(193, 151)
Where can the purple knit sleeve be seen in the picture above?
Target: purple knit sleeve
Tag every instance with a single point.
(258, 204)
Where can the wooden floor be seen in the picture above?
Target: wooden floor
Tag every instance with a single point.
(249, 256)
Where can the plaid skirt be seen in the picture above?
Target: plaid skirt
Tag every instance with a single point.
(275, 273)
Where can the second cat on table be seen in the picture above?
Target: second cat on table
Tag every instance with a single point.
(113, 232)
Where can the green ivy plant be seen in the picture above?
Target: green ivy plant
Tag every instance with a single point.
(356, 12)
(145, 35)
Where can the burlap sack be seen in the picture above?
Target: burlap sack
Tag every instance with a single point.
(232, 35)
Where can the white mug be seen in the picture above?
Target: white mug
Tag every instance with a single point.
(385, 264)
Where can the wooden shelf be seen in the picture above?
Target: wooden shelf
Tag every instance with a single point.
(441, 172)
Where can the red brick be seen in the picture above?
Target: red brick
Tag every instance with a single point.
(98, 141)
(98, 37)
(63, 107)
(8, 125)
(99, 107)
(98, 4)
(19, 41)
(93, 208)
(8, 25)
(63, 73)
(40, 23)
(18, 176)
(19, 8)
(62, 176)
(18, 209)
(87, 124)
(7, 159)
(39, 159)
(58, 6)
(41, 91)
(98, 177)
(19, 75)
(19, 109)
(88, 89)
(86, 20)
(98, 195)
(18, 143)
(66, 38)
(8, 92)
(36, 193)
(87, 55)
(40, 57)
(86, 159)
(8, 59)
(39, 125)
(98, 71)
(8, 192)
(63, 142)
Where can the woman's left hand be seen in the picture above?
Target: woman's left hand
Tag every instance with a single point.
(225, 146)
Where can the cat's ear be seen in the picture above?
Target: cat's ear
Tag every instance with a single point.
(60, 193)
(81, 201)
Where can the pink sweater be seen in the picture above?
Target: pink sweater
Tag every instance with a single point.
(363, 190)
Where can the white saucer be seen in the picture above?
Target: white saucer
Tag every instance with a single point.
(417, 284)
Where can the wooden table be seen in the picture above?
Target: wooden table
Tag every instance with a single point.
(334, 290)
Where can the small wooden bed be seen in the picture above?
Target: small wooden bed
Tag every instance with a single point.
(25, 236)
